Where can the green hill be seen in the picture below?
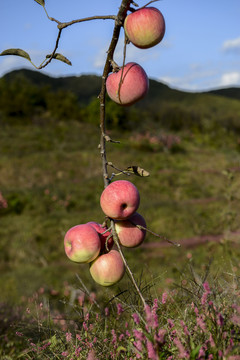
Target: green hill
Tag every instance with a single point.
(27, 96)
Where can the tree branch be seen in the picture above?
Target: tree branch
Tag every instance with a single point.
(100, 17)
(107, 67)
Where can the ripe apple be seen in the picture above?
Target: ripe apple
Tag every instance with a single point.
(120, 199)
(145, 27)
(128, 233)
(108, 268)
(134, 84)
(103, 237)
(82, 243)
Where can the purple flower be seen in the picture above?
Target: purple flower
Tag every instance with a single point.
(68, 336)
(138, 334)
(136, 318)
(183, 354)
(119, 309)
(151, 351)
(164, 298)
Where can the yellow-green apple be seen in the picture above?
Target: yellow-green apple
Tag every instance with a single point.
(128, 233)
(120, 199)
(103, 235)
(82, 243)
(145, 27)
(108, 268)
(127, 85)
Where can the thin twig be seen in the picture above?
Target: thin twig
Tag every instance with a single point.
(86, 290)
(53, 53)
(116, 240)
(158, 235)
(100, 17)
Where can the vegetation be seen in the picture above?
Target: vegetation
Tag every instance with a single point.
(49, 181)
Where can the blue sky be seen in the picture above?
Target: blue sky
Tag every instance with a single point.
(200, 50)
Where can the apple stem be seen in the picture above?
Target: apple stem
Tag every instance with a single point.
(131, 276)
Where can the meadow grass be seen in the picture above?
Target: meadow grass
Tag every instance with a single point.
(50, 180)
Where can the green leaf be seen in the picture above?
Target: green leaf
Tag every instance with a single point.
(137, 170)
(60, 57)
(121, 349)
(17, 52)
(194, 352)
(40, 2)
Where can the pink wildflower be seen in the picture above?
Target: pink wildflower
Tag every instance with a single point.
(201, 353)
(164, 297)
(119, 309)
(201, 324)
(182, 352)
(91, 355)
(136, 318)
(114, 336)
(185, 329)
(138, 334)
(138, 345)
(65, 353)
(170, 323)
(151, 351)
(85, 326)
(155, 305)
(206, 287)
(211, 341)
(160, 336)
(68, 336)
(220, 320)
(106, 311)
(121, 337)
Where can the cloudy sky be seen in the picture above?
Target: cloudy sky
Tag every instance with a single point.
(200, 50)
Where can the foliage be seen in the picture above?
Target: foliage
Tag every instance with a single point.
(197, 321)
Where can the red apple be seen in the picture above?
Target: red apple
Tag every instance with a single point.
(120, 199)
(145, 27)
(82, 243)
(128, 233)
(108, 268)
(103, 235)
(134, 84)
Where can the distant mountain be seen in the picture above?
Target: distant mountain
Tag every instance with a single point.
(232, 92)
(88, 86)
(85, 86)
(28, 93)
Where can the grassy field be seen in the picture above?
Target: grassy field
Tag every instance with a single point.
(51, 179)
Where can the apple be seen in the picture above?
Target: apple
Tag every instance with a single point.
(134, 84)
(103, 237)
(120, 199)
(82, 243)
(129, 234)
(145, 27)
(108, 268)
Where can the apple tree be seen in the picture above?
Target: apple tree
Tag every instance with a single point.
(100, 245)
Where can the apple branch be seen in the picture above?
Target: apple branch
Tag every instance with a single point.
(102, 98)
(130, 274)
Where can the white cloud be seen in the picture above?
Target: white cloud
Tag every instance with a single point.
(232, 45)
(230, 78)
(195, 78)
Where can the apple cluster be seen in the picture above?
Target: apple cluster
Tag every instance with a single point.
(93, 243)
(144, 28)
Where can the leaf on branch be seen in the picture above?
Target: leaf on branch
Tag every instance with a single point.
(137, 170)
(17, 52)
(60, 57)
(40, 2)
